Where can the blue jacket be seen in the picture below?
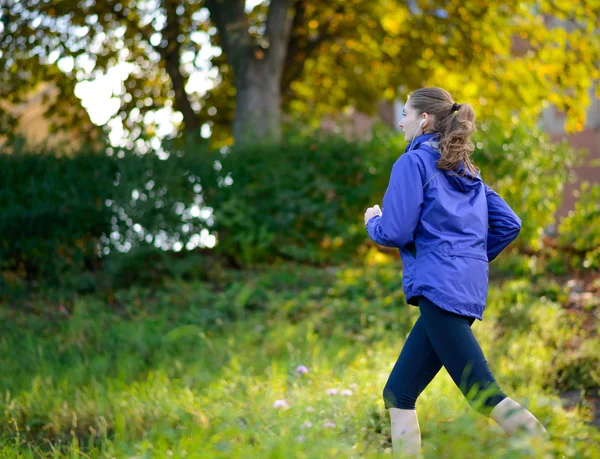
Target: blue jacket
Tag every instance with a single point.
(447, 228)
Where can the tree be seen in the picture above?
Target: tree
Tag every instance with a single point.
(90, 37)
(308, 58)
(257, 65)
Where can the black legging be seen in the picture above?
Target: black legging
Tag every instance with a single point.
(441, 337)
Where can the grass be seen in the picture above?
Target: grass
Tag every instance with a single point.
(197, 370)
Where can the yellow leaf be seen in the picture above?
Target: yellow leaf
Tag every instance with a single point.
(390, 25)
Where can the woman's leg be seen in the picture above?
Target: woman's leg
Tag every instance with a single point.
(457, 348)
(511, 417)
(416, 366)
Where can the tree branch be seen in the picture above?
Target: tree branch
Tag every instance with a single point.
(293, 47)
(145, 31)
(292, 68)
(171, 58)
(232, 23)
(296, 71)
(569, 14)
(277, 31)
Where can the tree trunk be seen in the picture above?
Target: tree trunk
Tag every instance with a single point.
(258, 104)
(257, 68)
(182, 100)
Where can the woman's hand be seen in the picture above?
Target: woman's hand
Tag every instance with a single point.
(371, 212)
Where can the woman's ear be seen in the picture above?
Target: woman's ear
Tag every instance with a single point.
(428, 121)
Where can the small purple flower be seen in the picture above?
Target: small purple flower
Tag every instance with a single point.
(332, 391)
(300, 438)
(346, 392)
(280, 404)
(307, 425)
(329, 424)
(302, 369)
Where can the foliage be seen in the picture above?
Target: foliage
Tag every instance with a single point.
(508, 59)
(52, 211)
(86, 39)
(150, 266)
(61, 214)
(521, 165)
(301, 199)
(579, 239)
(194, 369)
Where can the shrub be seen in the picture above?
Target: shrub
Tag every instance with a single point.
(579, 240)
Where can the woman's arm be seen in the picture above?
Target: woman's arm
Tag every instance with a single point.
(401, 206)
(504, 225)
(375, 232)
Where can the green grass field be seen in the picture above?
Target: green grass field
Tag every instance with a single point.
(283, 362)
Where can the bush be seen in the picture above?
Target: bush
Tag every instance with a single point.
(579, 239)
(303, 199)
(60, 215)
(579, 370)
(529, 172)
(52, 212)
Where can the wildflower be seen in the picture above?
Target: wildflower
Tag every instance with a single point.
(307, 425)
(329, 424)
(346, 392)
(310, 409)
(301, 369)
(280, 404)
(331, 391)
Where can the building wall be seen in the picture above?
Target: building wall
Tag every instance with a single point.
(357, 125)
(34, 127)
(588, 139)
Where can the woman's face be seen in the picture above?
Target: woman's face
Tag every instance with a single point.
(410, 122)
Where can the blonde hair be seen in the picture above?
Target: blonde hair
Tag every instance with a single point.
(454, 127)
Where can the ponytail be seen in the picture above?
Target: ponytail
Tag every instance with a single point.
(454, 123)
(455, 145)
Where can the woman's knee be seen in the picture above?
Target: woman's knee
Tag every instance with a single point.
(484, 396)
(394, 398)
(486, 406)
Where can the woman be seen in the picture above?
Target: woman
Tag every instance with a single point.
(448, 225)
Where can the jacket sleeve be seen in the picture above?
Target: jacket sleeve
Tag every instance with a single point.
(376, 233)
(401, 207)
(504, 225)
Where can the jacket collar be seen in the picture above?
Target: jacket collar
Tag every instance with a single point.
(424, 139)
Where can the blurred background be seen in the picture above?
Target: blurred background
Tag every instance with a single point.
(181, 182)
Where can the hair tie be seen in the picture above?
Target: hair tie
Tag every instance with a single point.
(454, 107)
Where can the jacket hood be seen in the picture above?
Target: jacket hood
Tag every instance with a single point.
(460, 179)
(463, 180)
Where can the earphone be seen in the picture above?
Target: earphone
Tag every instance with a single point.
(415, 135)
